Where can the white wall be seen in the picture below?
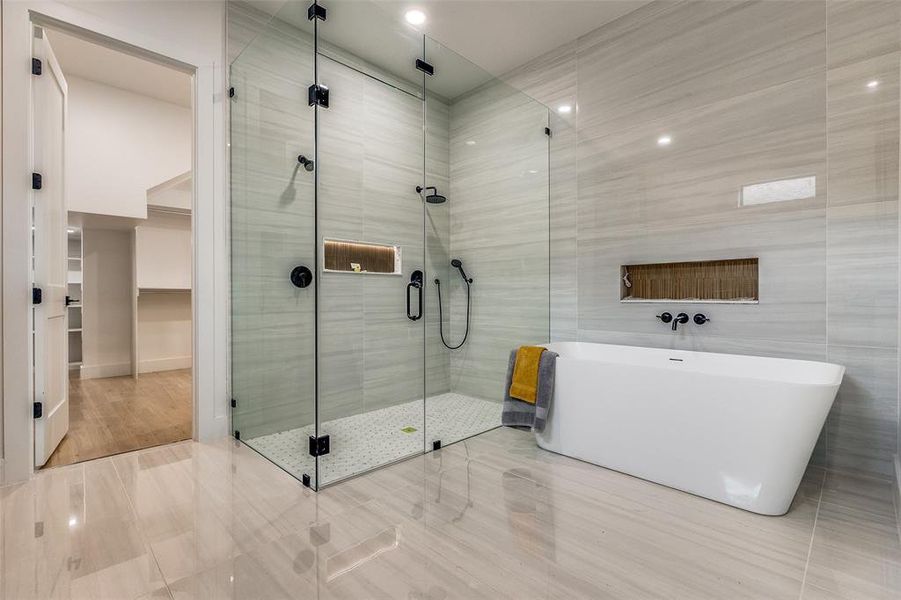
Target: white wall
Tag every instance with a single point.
(119, 145)
(106, 306)
(164, 331)
(163, 252)
(163, 262)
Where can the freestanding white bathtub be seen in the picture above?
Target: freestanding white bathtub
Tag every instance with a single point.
(736, 429)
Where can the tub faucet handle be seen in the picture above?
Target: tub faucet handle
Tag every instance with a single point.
(700, 319)
(665, 317)
(680, 318)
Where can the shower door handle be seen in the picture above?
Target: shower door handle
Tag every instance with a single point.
(415, 284)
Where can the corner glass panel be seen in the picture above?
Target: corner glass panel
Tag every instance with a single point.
(370, 152)
(487, 245)
(272, 234)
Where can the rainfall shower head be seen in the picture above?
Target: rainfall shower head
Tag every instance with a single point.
(434, 197)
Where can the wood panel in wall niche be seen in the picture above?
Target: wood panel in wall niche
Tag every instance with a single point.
(734, 280)
(360, 257)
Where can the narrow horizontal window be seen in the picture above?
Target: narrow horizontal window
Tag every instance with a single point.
(782, 190)
(361, 257)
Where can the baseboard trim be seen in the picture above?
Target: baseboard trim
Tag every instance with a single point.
(165, 364)
(100, 371)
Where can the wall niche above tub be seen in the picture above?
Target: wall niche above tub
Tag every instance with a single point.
(706, 281)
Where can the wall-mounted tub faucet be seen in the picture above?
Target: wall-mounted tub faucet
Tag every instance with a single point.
(700, 319)
(680, 318)
(665, 317)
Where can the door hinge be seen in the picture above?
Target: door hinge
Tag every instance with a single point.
(547, 131)
(319, 446)
(234, 403)
(425, 67)
(237, 434)
(38, 410)
(436, 445)
(37, 295)
(316, 12)
(37, 181)
(231, 92)
(318, 95)
(305, 479)
(37, 67)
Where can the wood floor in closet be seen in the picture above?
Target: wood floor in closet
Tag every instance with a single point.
(119, 414)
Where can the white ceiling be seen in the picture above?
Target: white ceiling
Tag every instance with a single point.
(500, 35)
(480, 38)
(79, 58)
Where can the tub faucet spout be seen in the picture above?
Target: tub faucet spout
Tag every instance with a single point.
(680, 318)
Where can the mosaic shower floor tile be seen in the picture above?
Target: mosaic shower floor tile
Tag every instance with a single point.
(367, 440)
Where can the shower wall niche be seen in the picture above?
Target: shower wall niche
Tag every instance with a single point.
(357, 356)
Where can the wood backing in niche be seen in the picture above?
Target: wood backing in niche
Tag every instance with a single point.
(372, 258)
(734, 280)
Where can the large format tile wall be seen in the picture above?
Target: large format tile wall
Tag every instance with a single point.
(749, 92)
(499, 228)
(272, 216)
(370, 160)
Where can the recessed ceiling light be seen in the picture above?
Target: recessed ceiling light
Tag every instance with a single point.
(470, 142)
(564, 109)
(533, 171)
(664, 140)
(415, 17)
(873, 84)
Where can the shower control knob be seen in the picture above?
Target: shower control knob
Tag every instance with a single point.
(700, 319)
(665, 317)
(301, 276)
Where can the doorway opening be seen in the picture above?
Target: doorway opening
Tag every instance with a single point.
(114, 137)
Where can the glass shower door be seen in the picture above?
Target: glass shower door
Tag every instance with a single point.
(370, 221)
(272, 243)
(488, 245)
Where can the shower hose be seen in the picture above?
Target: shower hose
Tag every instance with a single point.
(441, 316)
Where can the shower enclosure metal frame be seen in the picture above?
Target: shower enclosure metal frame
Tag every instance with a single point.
(275, 211)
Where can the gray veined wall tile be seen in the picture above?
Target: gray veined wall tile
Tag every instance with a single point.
(244, 22)
(859, 30)
(669, 57)
(564, 202)
(862, 274)
(862, 427)
(863, 130)
(772, 134)
(550, 79)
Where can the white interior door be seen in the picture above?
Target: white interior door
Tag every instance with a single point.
(51, 348)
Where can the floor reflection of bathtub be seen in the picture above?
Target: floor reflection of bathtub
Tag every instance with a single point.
(736, 429)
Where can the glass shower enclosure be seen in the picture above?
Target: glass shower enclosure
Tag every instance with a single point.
(389, 240)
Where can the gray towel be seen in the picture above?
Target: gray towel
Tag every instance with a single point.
(522, 414)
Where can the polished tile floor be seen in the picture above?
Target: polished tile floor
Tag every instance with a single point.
(366, 440)
(491, 517)
(111, 415)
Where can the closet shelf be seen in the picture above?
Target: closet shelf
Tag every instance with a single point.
(151, 290)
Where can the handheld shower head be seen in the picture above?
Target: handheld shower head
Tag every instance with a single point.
(458, 264)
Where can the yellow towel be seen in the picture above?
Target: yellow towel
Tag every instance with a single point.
(525, 373)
